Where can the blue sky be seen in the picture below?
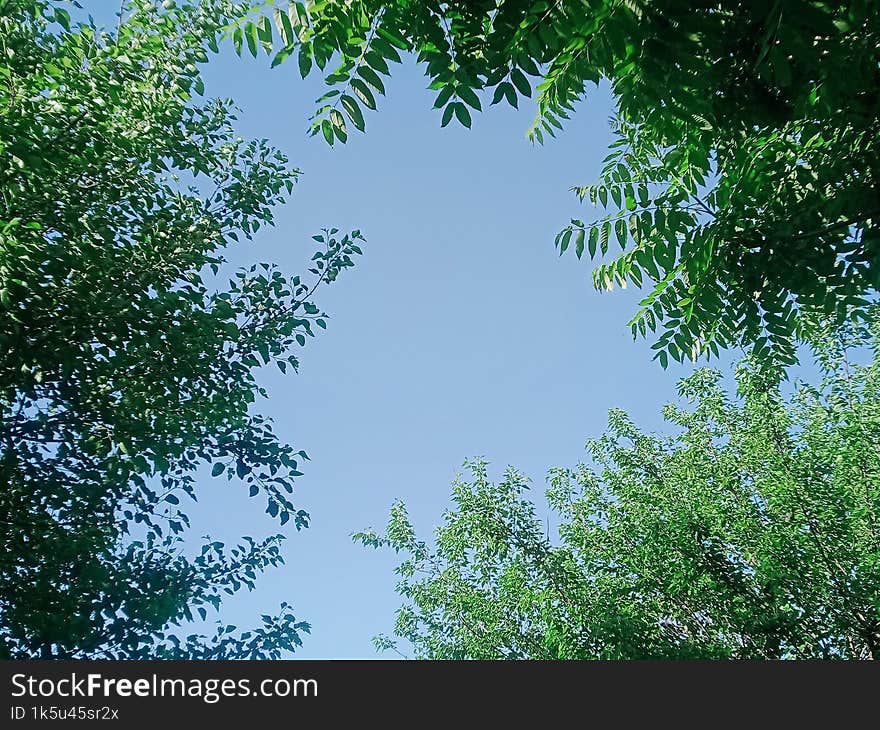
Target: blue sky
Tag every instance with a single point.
(460, 332)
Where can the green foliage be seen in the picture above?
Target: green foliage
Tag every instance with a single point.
(127, 362)
(743, 187)
(750, 533)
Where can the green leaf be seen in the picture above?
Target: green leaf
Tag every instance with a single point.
(264, 32)
(62, 17)
(510, 93)
(364, 94)
(447, 115)
(376, 62)
(327, 131)
(621, 232)
(443, 97)
(521, 82)
(467, 95)
(354, 112)
(386, 49)
(304, 60)
(604, 235)
(338, 123)
(565, 238)
(282, 22)
(615, 194)
(372, 78)
(250, 34)
(393, 37)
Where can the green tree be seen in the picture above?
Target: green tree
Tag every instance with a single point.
(742, 187)
(750, 533)
(127, 360)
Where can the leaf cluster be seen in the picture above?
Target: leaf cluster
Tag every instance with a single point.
(743, 184)
(128, 361)
(750, 531)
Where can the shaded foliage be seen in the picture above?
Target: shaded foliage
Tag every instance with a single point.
(750, 533)
(127, 361)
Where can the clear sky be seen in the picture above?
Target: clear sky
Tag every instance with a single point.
(460, 332)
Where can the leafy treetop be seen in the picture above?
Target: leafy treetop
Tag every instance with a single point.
(742, 188)
(751, 532)
(127, 360)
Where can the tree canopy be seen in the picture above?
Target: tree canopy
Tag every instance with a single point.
(750, 532)
(742, 187)
(127, 358)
